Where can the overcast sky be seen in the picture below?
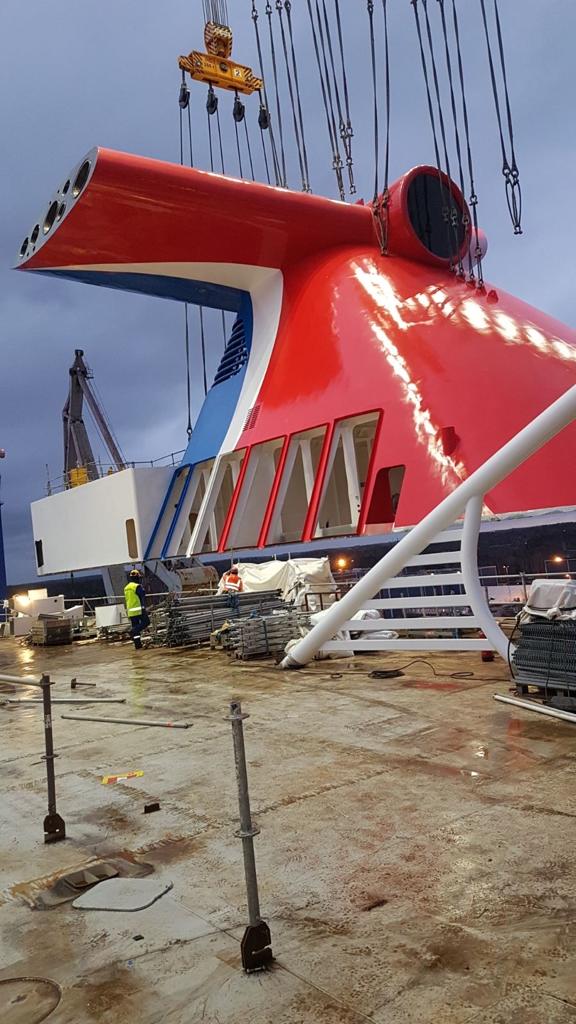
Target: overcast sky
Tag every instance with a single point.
(73, 75)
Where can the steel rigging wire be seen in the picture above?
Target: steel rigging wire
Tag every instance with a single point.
(337, 162)
(380, 202)
(347, 131)
(473, 198)
(464, 218)
(184, 104)
(264, 119)
(212, 106)
(294, 94)
(336, 159)
(445, 206)
(452, 206)
(509, 166)
(268, 12)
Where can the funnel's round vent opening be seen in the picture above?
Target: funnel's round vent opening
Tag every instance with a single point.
(81, 179)
(436, 215)
(65, 187)
(35, 233)
(50, 217)
(24, 247)
(61, 211)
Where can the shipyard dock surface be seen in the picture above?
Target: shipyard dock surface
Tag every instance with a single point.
(416, 856)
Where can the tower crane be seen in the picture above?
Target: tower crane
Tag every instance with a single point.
(80, 466)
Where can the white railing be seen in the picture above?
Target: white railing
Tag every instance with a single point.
(467, 500)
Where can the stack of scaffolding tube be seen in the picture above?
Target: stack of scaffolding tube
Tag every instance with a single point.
(184, 620)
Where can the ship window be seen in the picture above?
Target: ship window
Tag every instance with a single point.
(131, 538)
(346, 474)
(39, 553)
(255, 494)
(385, 498)
(296, 488)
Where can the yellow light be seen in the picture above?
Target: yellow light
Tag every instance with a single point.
(557, 558)
(341, 563)
(22, 599)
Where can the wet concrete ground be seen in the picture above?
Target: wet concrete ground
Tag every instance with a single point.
(416, 859)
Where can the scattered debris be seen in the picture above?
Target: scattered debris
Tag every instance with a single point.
(109, 780)
(151, 808)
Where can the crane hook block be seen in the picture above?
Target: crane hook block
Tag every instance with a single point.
(215, 67)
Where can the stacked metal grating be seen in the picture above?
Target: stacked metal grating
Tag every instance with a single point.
(546, 655)
(49, 632)
(183, 621)
(265, 635)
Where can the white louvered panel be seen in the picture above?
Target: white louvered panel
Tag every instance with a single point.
(337, 646)
(436, 558)
(444, 601)
(422, 622)
(436, 579)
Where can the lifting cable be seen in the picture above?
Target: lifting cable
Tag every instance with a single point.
(264, 119)
(346, 143)
(203, 345)
(473, 199)
(452, 209)
(211, 109)
(294, 93)
(445, 208)
(370, 7)
(382, 204)
(238, 113)
(288, 9)
(268, 12)
(465, 219)
(184, 104)
(346, 130)
(509, 166)
(321, 61)
(263, 124)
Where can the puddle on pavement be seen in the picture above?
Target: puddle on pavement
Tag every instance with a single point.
(27, 1000)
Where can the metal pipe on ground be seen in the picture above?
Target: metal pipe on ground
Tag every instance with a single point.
(54, 825)
(540, 709)
(256, 946)
(129, 721)
(66, 700)
(20, 680)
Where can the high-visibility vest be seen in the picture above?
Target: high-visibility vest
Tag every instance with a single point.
(232, 582)
(132, 601)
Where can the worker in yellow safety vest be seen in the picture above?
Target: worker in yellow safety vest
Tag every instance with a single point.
(135, 601)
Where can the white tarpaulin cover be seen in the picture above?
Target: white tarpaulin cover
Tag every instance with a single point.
(294, 578)
(552, 599)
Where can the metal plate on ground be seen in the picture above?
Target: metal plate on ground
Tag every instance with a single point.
(123, 894)
(27, 1000)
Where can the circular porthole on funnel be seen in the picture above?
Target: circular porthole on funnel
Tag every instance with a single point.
(28, 1000)
(81, 179)
(50, 217)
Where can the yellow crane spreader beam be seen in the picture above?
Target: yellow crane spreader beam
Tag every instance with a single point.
(220, 72)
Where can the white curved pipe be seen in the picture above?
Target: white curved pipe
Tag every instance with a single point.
(528, 705)
(529, 440)
(474, 589)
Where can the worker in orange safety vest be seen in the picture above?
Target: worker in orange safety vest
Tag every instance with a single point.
(232, 585)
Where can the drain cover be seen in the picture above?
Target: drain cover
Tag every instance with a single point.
(27, 1000)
